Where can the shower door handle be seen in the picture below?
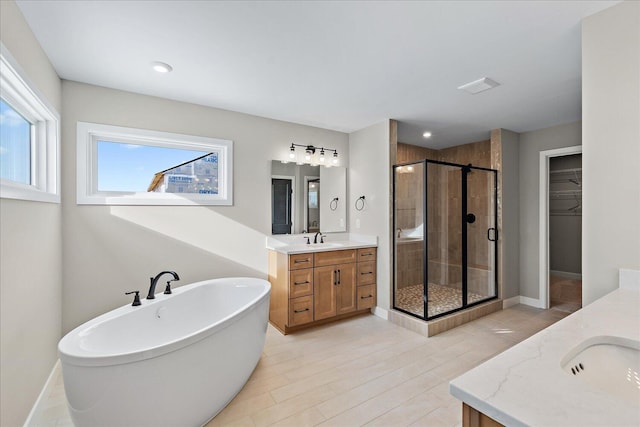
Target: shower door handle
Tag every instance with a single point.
(495, 234)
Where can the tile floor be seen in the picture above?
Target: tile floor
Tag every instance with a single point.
(361, 371)
(441, 299)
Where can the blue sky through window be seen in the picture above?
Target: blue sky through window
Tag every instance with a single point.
(15, 145)
(130, 168)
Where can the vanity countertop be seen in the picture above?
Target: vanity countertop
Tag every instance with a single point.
(299, 248)
(526, 385)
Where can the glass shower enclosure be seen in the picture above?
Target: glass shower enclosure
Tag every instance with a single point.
(445, 251)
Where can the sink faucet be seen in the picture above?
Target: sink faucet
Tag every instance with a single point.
(399, 230)
(315, 238)
(154, 282)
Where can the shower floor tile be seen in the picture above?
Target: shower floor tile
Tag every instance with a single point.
(441, 299)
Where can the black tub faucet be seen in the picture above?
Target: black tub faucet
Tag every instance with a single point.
(154, 282)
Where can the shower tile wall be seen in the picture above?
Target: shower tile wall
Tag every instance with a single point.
(443, 217)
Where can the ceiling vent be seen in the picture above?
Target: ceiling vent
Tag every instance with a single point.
(480, 85)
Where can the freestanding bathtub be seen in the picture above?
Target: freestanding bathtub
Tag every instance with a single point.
(176, 360)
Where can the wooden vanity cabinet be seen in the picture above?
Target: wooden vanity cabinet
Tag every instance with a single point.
(317, 287)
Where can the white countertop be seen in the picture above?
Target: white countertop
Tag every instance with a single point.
(295, 244)
(526, 384)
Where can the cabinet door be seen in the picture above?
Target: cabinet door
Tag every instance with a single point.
(346, 289)
(324, 292)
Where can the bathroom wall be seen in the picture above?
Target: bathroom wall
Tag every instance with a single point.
(611, 147)
(531, 144)
(30, 255)
(369, 176)
(112, 249)
(509, 207)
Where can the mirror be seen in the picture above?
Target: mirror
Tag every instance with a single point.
(307, 198)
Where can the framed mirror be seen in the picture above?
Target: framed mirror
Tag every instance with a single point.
(307, 199)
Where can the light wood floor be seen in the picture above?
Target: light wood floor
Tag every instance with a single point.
(565, 293)
(362, 371)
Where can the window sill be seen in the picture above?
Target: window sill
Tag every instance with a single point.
(16, 191)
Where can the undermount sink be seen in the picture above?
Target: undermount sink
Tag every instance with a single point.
(610, 364)
(328, 245)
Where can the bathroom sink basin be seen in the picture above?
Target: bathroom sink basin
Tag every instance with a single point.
(610, 364)
(328, 245)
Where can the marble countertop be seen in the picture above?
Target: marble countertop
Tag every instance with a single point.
(526, 384)
(295, 244)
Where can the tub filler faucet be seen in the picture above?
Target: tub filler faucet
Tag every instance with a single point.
(154, 282)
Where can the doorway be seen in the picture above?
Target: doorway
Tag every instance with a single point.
(565, 232)
(561, 229)
(281, 205)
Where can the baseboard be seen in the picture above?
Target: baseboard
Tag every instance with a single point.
(44, 394)
(380, 312)
(566, 274)
(510, 302)
(533, 302)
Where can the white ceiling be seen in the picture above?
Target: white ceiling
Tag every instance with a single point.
(334, 64)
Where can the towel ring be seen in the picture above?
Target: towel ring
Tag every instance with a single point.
(360, 206)
(333, 206)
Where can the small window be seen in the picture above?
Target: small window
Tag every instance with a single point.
(29, 134)
(15, 145)
(125, 166)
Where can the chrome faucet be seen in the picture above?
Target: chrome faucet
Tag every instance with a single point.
(315, 238)
(154, 282)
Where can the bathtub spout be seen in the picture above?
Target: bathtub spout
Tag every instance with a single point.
(154, 282)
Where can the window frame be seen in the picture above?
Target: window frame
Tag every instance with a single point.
(22, 95)
(88, 135)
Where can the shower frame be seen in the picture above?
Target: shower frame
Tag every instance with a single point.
(464, 170)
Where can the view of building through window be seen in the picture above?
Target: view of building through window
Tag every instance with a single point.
(15, 145)
(141, 168)
(199, 176)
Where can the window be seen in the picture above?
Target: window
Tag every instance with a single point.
(29, 134)
(126, 166)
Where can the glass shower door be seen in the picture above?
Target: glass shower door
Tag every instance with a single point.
(481, 234)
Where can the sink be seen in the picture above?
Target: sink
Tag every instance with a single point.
(610, 364)
(328, 245)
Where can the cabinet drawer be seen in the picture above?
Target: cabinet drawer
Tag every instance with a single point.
(366, 296)
(300, 282)
(366, 274)
(298, 261)
(300, 310)
(335, 257)
(366, 254)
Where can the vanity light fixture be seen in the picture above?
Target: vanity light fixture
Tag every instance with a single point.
(161, 67)
(310, 154)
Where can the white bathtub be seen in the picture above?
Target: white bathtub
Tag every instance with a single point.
(177, 360)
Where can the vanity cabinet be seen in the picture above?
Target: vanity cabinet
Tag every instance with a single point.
(316, 287)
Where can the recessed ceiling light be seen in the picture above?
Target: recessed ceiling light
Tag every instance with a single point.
(427, 134)
(161, 67)
(480, 85)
